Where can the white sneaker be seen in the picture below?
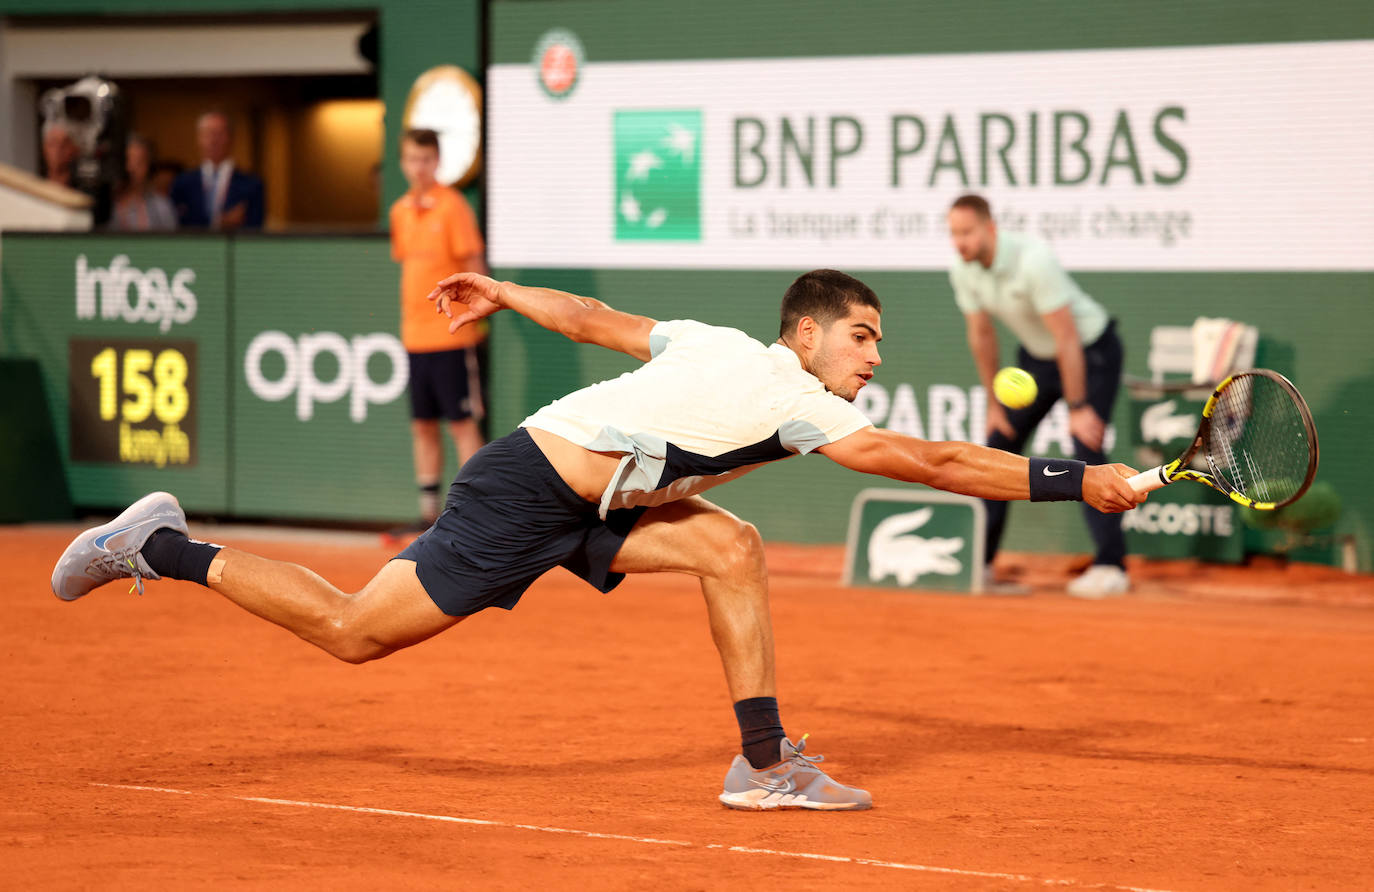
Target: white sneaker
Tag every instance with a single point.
(1100, 581)
(111, 551)
(793, 782)
(1003, 587)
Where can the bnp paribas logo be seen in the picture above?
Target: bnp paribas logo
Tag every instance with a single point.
(658, 175)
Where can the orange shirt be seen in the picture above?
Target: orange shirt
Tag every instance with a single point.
(431, 236)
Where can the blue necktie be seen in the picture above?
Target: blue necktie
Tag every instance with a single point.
(211, 184)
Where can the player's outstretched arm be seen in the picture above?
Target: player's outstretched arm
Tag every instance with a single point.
(977, 470)
(468, 297)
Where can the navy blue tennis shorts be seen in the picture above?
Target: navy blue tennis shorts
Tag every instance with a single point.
(510, 518)
(445, 384)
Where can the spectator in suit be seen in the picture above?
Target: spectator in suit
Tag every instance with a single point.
(215, 194)
(140, 208)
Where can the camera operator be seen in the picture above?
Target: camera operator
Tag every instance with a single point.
(59, 155)
(83, 139)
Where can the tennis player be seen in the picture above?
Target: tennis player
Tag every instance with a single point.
(1069, 345)
(606, 481)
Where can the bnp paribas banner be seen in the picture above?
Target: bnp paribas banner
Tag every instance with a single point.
(1250, 157)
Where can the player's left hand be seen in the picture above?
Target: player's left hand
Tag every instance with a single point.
(479, 295)
(1087, 427)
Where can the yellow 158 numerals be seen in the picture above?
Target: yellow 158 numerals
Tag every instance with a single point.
(162, 394)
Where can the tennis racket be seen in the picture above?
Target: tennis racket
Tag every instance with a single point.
(1256, 441)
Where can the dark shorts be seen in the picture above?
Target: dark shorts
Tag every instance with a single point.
(510, 518)
(445, 384)
(1102, 363)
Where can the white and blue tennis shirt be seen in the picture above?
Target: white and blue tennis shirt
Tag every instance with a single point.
(710, 405)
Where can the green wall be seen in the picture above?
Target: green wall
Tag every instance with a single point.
(767, 29)
(259, 457)
(313, 426)
(39, 319)
(1315, 326)
(807, 499)
(333, 465)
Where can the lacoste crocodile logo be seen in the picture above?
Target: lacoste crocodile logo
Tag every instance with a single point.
(892, 551)
(1160, 424)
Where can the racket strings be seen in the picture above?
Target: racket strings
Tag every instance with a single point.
(1258, 443)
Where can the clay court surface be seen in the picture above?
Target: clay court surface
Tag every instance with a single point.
(1214, 730)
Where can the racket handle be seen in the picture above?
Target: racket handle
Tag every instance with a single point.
(1149, 481)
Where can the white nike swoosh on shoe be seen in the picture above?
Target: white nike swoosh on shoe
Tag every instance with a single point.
(1048, 473)
(786, 785)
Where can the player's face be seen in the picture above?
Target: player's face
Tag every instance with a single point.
(847, 352)
(419, 164)
(972, 235)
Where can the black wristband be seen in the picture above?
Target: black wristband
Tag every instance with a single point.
(1056, 480)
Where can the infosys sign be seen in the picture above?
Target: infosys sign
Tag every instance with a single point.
(1139, 159)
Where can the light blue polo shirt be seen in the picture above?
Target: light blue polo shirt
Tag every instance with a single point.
(1024, 282)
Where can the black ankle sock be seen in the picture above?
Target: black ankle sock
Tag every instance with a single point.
(173, 556)
(760, 729)
(429, 501)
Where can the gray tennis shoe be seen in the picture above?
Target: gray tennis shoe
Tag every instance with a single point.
(110, 551)
(794, 782)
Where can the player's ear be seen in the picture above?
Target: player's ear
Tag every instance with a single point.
(808, 332)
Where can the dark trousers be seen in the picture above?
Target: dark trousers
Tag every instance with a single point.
(1102, 368)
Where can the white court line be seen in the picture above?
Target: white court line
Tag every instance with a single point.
(841, 859)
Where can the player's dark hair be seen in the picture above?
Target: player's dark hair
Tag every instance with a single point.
(825, 295)
(976, 203)
(425, 139)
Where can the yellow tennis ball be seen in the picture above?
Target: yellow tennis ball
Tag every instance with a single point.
(1014, 388)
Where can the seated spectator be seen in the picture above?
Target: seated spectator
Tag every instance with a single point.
(138, 208)
(215, 194)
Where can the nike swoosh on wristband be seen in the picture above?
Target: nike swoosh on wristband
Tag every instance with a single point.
(1048, 473)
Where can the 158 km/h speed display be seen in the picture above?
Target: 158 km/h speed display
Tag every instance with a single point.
(132, 401)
